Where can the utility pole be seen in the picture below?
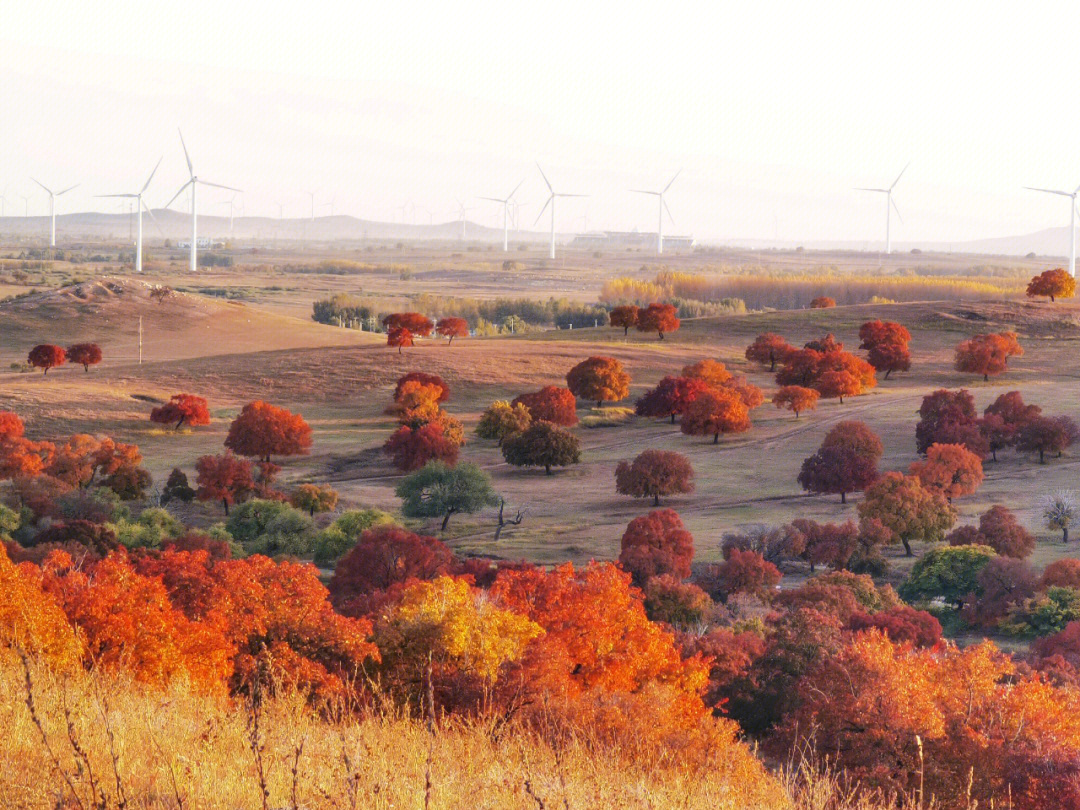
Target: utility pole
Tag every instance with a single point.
(140, 340)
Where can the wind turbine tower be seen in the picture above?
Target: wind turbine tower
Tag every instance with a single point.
(138, 197)
(1072, 221)
(890, 206)
(551, 202)
(662, 206)
(462, 211)
(52, 210)
(505, 203)
(194, 181)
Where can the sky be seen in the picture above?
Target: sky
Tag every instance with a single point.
(773, 113)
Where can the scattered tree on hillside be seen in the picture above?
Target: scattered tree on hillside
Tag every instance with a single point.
(424, 378)
(886, 344)
(796, 399)
(383, 557)
(713, 412)
(949, 417)
(85, 354)
(502, 419)
(262, 430)
(416, 403)
(828, 544)
(451, 328)
(313, 498)
(948, 572)
(655, 473)
(774, 544)
(550, 404)
(1001, 531)
(182, 408)
(855, 437)
(437, 490)
(543, 445)
(177, 488)
(987, 355)
(411, 448)
(224, 478)
(656, 544)
(1053, 284)
(768, 350)
(400, 337)
(1062, 574)
(600, 379)
(625, 317)
(907, 509)
(669, 398)
(711, 372)
(413, 322)
(822, 302)
(1060, 511)
(741, 572)
(1046, 434)
(659, 318)
(46, 356)
(949, 469)
(829, 343)
(837, 470)
(750, 394)
(838, 384)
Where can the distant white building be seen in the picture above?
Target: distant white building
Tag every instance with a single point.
(615, 240)
(203, 243)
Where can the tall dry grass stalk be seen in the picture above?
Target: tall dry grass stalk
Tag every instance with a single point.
(95, 743)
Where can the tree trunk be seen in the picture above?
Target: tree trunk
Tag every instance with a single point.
(993, 453)
(661, 335)
(907, 547)
(625, 331)
(841, 400)
(1051, 299)
(1064, 534)
(547, 469)
(446, 519)
(843, 497)
(225, 503)
(673, 417)
(888, 371)
(986, 378)
(46, 370)
(451, 340)
(716, 438)
(1042, 459)
(600, 403)
(772, 364)
(178, 424)
(656, 499)
(86, 367)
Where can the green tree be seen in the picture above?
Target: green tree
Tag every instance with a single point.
(271, 527)
(951, 572)
(542, 445)
(436, 490)
(341, 535)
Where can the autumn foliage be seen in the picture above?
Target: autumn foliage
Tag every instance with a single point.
(886, 344)
(550, 404)
(659, 318)
(670, 397)
(601, 379)
(949, 469)
(715, 411)
(85, 354)
(424, 378)
(543, 444)
(46, 356)
(263, 430)
(411, 448)
(224, 478)
(413, 322)
(768, 350)
(796, 399)
(182, 408)
(822, 302)
(987, 355)
(655, 473)
(399, 337)
(624, 317)
(451, 328)
(1053, 284)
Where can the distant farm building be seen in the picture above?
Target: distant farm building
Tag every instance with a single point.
(621, 240)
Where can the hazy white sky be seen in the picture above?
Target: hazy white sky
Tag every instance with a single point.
(774, 112)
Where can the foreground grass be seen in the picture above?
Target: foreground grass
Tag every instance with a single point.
(84, 741)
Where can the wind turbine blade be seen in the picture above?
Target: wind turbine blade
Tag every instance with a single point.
(187, 157)
(570, 195)
(668, 210)
(548, 184)
(152, 217)
(672, 180)
(151, 177)
(40, 184)
(216, 185)
(493, 199)
(640, 191)
(66, 190)
(897, 210)
(1029, 188)
(897, 180)
(880, 190)
(116, 195)
(510, 196)
(542, 210)
(181, 191)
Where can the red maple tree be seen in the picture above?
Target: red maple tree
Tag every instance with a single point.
(262, 430)
(182, 408)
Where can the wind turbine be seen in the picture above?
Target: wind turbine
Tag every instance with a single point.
(890, 206)
(1072, 222)
(462, 210)
(312, 195)
(194, 181)
(505, 203)
(231, 202)
(26, 205)
(137, 196)
(551, 202)
(662, 206)
(52, 210)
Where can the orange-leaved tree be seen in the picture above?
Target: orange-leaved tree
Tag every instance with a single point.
(624, 316)
(949, 469)
(987, 355)
(411, 448)
(224, 478)
(599, 379)
(796, 398)
(715, 411)
(182, 408)
(400, 337)
(1054, 284)
(426, 379)
(550, 404)
(451, 328)
(907, 509)
(768, 350)
(711, 372)
(414, 322)
(46, 356)
(655, 544)
(659, 318)
(262, 430)
(886, 343)
(670, 397)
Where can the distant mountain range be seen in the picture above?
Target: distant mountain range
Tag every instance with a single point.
(176, 225)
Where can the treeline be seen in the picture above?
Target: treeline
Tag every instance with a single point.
(347, 310)
(343, 267)
(796, 291)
